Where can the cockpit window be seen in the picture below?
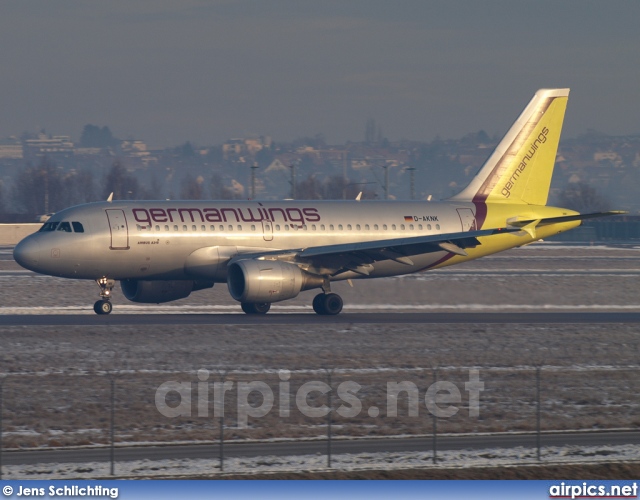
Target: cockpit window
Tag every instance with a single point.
(64, 226)
(49, 226)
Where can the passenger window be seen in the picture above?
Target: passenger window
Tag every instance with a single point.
(420, 227)
(330, 227)
(230, 227)
(77, 227)
(411, 227)
(384, 227)
(393, 227)
(286, 227)
(321, 227)
(64, 226)
(438, 226)
(277, 227)
(184, 227)
(366, 227)
(340, 227)
(429, 227)
(313, 227)
(221, 227)
(194, 228)
(175, 228)
(239, 227)
(375, 227)
(213, 228)
(402, 226)
(358, 227)
(166, 227)
(204, 228)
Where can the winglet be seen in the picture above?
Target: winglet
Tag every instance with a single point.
(110, 198)
(359, 197)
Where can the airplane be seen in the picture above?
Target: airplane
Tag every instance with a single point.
(270, 251)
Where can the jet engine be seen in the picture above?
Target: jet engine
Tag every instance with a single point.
(254, 280)
(156, 292)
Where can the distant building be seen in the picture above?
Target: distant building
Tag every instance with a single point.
(45, 145)
(239, 147)
(232, 147)
(137, 150)
(11, 149)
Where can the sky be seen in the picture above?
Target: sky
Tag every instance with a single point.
(206, 71)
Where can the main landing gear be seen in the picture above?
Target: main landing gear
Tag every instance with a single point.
(327, 304)
(324, 304)
(103, 306)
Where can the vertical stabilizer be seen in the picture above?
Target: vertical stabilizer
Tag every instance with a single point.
(520, 168)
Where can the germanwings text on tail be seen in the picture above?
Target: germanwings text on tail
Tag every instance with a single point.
(268, 252)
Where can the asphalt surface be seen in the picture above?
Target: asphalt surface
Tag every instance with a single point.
(311, 318)
(313, 447)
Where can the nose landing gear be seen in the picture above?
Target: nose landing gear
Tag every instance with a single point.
(103, 306)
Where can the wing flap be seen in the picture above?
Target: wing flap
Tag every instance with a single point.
(359, 256)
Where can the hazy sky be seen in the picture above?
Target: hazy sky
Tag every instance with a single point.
(170, 71)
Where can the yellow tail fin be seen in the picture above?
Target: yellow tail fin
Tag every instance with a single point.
(520, 168)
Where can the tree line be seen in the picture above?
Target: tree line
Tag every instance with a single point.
(45, 188)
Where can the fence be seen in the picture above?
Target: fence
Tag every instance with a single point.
(219, 405)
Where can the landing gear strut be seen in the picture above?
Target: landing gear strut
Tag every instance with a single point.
(327, 304)
(255, 307)
(103, 306)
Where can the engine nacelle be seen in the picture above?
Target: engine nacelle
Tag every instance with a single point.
(254, 280)
(157, 292)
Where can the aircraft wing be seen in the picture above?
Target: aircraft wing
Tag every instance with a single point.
(358, 257)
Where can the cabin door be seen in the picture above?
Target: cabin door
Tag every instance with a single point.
(467, 219)
(119, 229)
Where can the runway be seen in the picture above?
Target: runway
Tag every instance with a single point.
(338, 446)
(312, 319)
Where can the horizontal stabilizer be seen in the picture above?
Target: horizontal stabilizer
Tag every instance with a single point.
(524, 224)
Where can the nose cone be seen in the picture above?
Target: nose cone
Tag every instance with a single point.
(27, 253)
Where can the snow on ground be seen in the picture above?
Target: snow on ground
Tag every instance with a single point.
(384, 460)
(233, 309)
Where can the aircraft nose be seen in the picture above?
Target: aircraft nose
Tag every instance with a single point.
(27, 253)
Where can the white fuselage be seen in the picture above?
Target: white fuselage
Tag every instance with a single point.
(173, 240)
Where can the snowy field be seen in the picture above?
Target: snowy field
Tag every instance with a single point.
(56, 392)
(309, 463)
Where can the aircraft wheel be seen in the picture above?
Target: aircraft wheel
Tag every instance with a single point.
(327, 304)
(332, 304)
(256, 307)
(318, 304)
(102, 307)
